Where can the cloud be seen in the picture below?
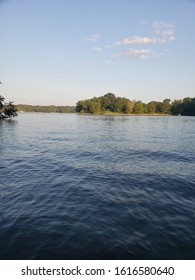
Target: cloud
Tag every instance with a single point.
(163, 32)
(97, 49)
(139, 53)
(136, 40)
(93, 37)
(163, 29)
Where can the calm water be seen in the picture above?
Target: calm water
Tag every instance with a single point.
(97, 187)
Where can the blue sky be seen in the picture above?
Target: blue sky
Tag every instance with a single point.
(60, 51)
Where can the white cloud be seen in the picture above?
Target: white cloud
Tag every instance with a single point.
(136, 40)
(93, 37)
(97, 49)
(163, 29)
(163, 32)
(139, 53)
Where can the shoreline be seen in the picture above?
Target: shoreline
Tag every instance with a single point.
(122, 114)
(103, 114)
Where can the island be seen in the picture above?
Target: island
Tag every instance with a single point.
(110, 104)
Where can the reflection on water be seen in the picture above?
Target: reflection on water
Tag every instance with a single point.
(97, 187)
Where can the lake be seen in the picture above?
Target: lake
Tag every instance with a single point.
(97, 187)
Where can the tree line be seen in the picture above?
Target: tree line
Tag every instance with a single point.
(106, 104)
(110, 103)
(45, 109)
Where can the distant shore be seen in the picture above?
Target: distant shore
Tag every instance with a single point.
(101, 114)
(123, 114)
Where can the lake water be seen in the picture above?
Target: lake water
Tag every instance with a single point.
(97, 187)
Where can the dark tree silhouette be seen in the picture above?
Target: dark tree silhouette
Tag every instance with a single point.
(7, 110)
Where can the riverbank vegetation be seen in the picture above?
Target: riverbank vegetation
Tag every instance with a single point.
(109, 103)
(45, 109)
(7, 110)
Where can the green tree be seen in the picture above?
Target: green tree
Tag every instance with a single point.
(152, 107)
(94, 106)
(80, 106)
(7, 110)
(159, 108)
(139, 108)
(188, 106)
(183, 107)
(166, 106)
(10, 110)
(176, 107)
(108, 101)
(123, 105)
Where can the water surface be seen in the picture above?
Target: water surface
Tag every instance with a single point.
(97, 187)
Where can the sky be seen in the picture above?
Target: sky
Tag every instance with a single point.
(57, 52)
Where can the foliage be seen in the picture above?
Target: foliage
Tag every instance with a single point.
(107, 103)
(110, 103)
(45, 109)
(123, 105)
(1, 102)
(10, 110)
(139, 108)
(183, 107)
(7, 110)
(166, 106)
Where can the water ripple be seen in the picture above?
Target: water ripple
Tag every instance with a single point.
(95, 187)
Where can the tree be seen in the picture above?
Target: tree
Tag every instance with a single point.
(139, 108)
(1, 102)
(159, 108)
(123, 105)
(188, 106)
(108, 101)
(184, 107)
(7, 110)
(79, 106)
(166, 106)
(152, 107)
(10, 110)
